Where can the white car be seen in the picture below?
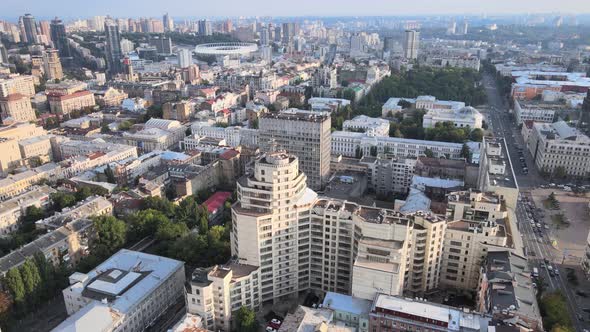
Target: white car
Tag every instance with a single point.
(275, 321)
(270, 329)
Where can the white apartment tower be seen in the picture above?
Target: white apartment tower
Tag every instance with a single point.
(411, 44)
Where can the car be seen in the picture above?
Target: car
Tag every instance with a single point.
(542, 264)
(546, 261)
(556, 272)
(551, 273)
(546, 227)
(275, 321)
(270, 329)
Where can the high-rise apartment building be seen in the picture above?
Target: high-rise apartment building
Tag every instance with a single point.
(3, 54)
(168, 22)
(30, 28)
(52, 65)
(205, 28)
(305, 134)
(264, 36)
(59, 38)
(411, 44)
(113, 48)
(185, 58)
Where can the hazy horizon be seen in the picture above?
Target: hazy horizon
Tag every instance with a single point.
(252, 8)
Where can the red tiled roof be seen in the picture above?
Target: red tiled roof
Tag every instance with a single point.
(216, 201)
(72, 95)
(14, 97)
(229, 154)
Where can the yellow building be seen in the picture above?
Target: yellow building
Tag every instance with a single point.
(17, 108)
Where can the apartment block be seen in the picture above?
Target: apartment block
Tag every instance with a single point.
(495, 171)
(389, 175)
(17, 108)
(302, 133)
(12, 210)
(10, 156)
(537, 111)
(559, 146)
(21, 84)
(65, 104)
(127, 292)
(215, 293)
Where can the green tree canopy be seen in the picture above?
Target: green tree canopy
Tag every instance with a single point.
(245, 320)
(111, 235)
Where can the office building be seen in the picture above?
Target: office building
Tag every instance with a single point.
(60, 38)
(411, 44)
(16, 108)
(30, 29)
(168, 23)
(302, 133)
(264, 36)
(113, 48)
(127, 292)
(506, 290)
(205, 28)
(162, 44)
(559, 148)
(52, 64)
(185, 58)
(394, 313)
(537, 111)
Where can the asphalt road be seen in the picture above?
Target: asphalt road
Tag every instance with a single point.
(537, 243)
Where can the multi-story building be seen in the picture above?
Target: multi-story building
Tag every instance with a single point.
(559, 147)
(59, 38)
(17, 108)
(36, 150)
(389, 175)
(301, 242)
(10, 156)
(411, 44)
(20, 131)
(215, 293)
(52, 65)
(367, 125)
(352, 144)
(393, 313)
(180, 111)
(65, 104)
(428, 103)
(23, 84)
(113, 47)
(29, 29)
(65, 245)
(477, 223)
(110, 97)
(13, 209)
(506, 290)
(536, 111)
(304, 134)
(496, 173)
(128, 291)
(586, 259)
(463, 117)
(157, 134)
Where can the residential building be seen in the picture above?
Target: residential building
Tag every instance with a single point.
(185, 58)
(302, 133)
(16, 108)
(557, 147)
(21, 130)
(36, 150)
(506, 290)
(66, 104)
(411, 44)
(463, 117)
(52, 65)
(12, 210)
(477, 224)
(234, 136)
(215, 293)
(64, 245)
(86, 209)
(59, 38)
(393, 313)
(387, 176)
(23, 84)
(10, 157)
(128, 292)
(180, 111)
(113, 48)
(30, 29)
(367, 125)
(110, 97)
(535, 111)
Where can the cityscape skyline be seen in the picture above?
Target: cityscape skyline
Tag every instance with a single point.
(13, 9)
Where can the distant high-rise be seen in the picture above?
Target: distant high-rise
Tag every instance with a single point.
(463, 29)
(304, 134)
(288, 32)
(205, 28)
(53, 68)
(278, 34)
(168, 23)
(59, 38)
(3, 54)
(113, 48)
(162, 44)
(185, 58)
(264, 36)
(411, 44)
(30, 28)
(388, 43)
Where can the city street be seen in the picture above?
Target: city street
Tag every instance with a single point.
(537, 243)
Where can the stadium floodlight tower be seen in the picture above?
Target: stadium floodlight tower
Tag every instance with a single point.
(227, 54)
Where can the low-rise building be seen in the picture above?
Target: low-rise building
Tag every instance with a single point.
(22, 84)
(10, 157)
(180, 111)
(395, 105)
(36, 147)
(12, 210)
(76, 101)
(393, 313)
(463, 117)
(157, 134)
(367, 125)
(127, 292)
(110, 97)
(536, 111)
(349, 310)
(506, 290)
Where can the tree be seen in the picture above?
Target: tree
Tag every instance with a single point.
(47, 273)
(111, 235)
(14, 283)
(62, 200)
(203, 224)
(553, 306)
(254, 123)
(476, 135)
(31, 280)
(466, 153)
(404, 104)
(104, 129)
(145, 223)
(171, 230)
(428, 153)
(125, 125)
(33, 213)
(108, 172)
(245, 320)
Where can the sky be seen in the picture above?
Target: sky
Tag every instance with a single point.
(233, 8)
